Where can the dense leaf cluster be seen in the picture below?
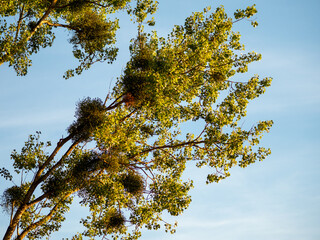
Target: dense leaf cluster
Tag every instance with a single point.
(90, 114)
(12, 197)
(133, 183)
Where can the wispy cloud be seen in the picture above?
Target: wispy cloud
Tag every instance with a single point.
(36, 119)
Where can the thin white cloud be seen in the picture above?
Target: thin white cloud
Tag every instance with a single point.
(36, 119)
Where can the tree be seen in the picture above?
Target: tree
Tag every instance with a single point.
(124, 156)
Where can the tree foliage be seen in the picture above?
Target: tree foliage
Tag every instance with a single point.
(132, 172)
(92, 31)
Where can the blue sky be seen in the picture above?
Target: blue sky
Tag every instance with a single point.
(276, 199)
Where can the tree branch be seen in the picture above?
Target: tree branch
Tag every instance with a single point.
(41, 221)
(24, 206)
(60, 25)
(37, 200)
(59, 163)
(168, 146)
(42, 19)
(19, 23)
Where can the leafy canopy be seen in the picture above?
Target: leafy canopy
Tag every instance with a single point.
(92, 30)
(126, 155)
